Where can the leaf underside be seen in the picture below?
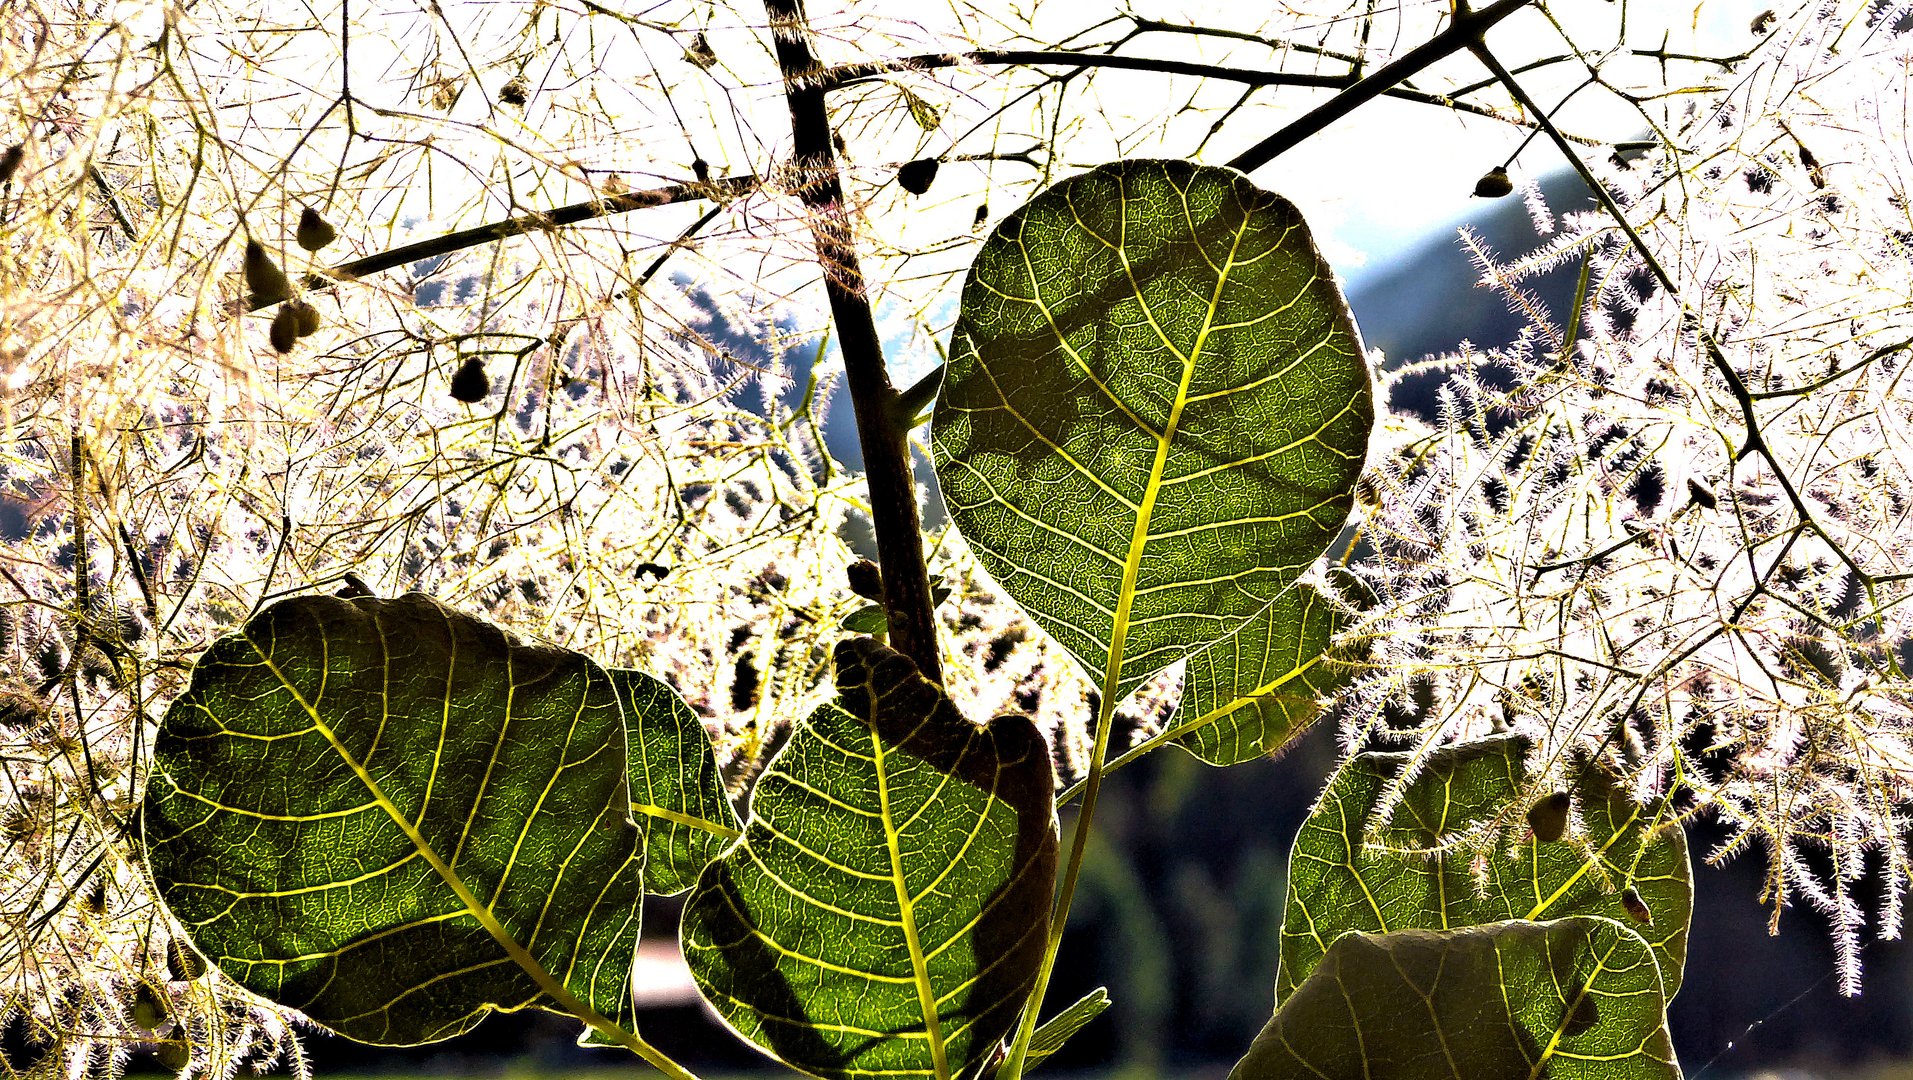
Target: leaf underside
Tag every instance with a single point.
(1155, 410)
(677, 792)
(887, 908)
(386, 814)
(1247, 695)
(1469, 800)
(1570, 999)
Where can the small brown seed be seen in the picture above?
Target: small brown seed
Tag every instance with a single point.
(470, 384)
(285, 329)
(314, 231)
(1494, 183)
(916, 176)
(264, 279)
(1548, 817)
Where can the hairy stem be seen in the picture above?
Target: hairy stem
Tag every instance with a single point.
(893, 490)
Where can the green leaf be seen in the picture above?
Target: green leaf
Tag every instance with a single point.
(1457, 851)
(677, 792)
(1154, 413)
(394, 817)
(1058, 1029)
(1247, 695)
(1568, 999)
(872, 620)
(887, 909)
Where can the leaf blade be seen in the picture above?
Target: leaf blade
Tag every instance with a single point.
(910, 946)
(1416, 871)
(1572, 998)
(1154, 412)
(1246, 695)
(677, 791)
(418, 954)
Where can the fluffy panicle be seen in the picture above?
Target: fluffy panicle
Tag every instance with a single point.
(1694, 566)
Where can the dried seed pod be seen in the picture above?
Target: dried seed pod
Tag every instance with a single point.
(314, 231)
(515, 92)
(10, 160)
(1762, 23)
(470, 384)
(182, 963)
(1636, 907)
(1494, 183)
(982, 215)
(1548, 817)
(916, 176)
(701, 169)
(1700, 495)
(92, 896)
(284, 330)
(866, 580)
(264, 279)
(699, 53)
(305, 317)
(149, 1012)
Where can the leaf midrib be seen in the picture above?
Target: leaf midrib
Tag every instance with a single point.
(1139, 536)
(919, 965)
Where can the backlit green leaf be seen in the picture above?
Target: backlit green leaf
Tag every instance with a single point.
(1457, 851)
(1571, 999)
(1154, 412)
(393, 817)
(677, 793)
(1248, 694)
(887, 908)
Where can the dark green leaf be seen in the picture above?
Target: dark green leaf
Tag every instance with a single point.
(1468, 802)
(1250, 693)
(677, 792)
(1571, 999)
(1058, 1029)
(393, 817)
(1154, 413)
(887, 909)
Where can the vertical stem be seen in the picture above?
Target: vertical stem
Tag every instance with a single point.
(893, 492)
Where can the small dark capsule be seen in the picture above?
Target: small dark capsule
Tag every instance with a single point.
(916, 176)
(866, 580)
(264, 279)
(1762, 23)
(515, 92)
(305, 317)
(701, 169)
(699, 53)
(173, 1055)
(1636, 907)
(1493, 184)
(10, 160)
(314, 232)
(470, 384)
(1700, 495)
(285, 329)
(93, 898)
(182, 963)
(1548, 817)
(982, 215)
(656, 571)
(149, 1012)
